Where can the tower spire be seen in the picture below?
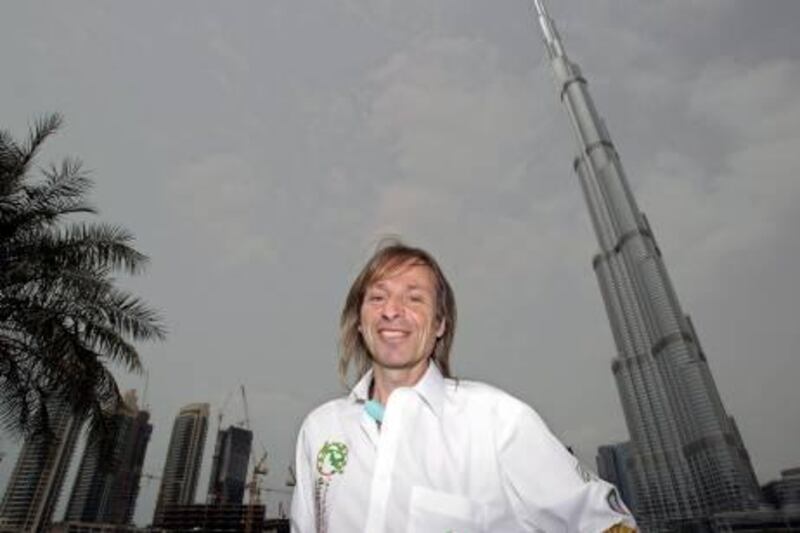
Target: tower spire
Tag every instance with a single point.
(687, 460)
(551, 38)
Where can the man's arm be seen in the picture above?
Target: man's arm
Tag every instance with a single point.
(548, 488)
(302, 515)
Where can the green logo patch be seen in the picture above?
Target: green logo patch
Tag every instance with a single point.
(332, 458)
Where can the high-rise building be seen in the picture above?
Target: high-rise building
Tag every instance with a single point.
(612, 466)
(35, 484)
(108, 495)
(184, 457)
(785, 493)
(687, 458)
(229, 466)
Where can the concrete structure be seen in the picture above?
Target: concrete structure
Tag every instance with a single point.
(229, 466)
(92, 527)
(184, 456)
(229, 518)
(612, 466)
(687, 458)
(35, 484)
(109, 495)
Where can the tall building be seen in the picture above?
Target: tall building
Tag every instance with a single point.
(612, 466)
(184, 457)
(785, 493)
(229, 466)
(687, 458)
(35, 484)
(108, 495)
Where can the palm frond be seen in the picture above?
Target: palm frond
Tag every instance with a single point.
(62, 319)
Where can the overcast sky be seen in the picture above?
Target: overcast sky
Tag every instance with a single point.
(259, 151)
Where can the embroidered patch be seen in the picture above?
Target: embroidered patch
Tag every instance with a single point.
(332, 458)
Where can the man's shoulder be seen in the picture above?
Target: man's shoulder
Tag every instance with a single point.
(330, 412)
(330, 408)
(479, 393)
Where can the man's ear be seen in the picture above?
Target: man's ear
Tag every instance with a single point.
(441, 328)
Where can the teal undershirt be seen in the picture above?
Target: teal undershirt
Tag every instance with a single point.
(374, 410)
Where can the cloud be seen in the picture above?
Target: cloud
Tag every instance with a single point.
(217, 198)
(747, 196)
(399, 20)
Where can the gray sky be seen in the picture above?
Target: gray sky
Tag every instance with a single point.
(259, 150)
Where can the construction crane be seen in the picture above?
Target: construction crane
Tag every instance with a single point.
(260, 470)
(254, 489)
(246, 421)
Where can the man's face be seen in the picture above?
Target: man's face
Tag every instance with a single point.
(398, 318)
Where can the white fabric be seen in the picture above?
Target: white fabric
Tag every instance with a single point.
(450, 456)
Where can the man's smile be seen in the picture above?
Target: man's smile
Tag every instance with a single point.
(392, 334)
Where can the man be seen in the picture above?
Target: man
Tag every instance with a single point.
(410, 449)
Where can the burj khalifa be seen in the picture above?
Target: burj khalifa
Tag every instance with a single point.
(688, 460)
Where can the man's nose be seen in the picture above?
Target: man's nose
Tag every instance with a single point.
(392, 308)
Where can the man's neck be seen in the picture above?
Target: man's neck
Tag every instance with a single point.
(386, 380)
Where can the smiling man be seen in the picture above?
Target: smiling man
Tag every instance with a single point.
(410, 449)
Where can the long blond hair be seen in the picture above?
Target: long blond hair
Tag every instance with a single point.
(391, 256)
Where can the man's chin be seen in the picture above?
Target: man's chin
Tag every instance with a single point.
(398, 363)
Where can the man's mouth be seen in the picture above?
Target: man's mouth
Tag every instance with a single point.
(392, 334)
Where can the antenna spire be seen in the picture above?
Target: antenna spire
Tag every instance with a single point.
(551, 38)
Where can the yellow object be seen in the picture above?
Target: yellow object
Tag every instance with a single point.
(620, 528)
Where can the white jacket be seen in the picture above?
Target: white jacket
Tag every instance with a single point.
(450, 456)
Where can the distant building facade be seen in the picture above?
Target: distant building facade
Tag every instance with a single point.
(109, 495)
(93, 527)
(228, 518)
(784, 494)
(35, 484)
(229, 466)
(184, 457)
(612, 465)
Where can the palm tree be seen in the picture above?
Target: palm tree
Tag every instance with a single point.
(62, 319)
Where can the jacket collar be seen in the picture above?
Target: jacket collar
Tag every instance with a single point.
(431, 388)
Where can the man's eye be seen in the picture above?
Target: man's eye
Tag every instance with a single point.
(375, 298)
(416, 298)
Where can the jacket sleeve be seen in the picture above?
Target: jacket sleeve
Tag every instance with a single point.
(302, 515)
(548, 488)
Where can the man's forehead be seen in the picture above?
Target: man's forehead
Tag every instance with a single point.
(391, 271)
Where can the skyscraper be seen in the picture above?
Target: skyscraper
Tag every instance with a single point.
(612, 466)
(229, 466)
(109, 495)
(35, 484)
(687, 457)
(184, 457)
